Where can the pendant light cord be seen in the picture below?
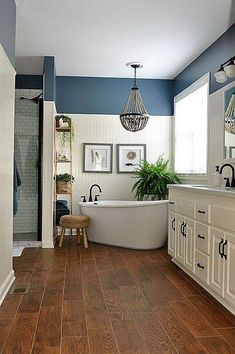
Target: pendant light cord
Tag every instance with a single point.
(135, 77)
(135, 80)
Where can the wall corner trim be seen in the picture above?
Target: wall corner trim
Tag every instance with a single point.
(4, 288)
(47, 244)
(7, 59)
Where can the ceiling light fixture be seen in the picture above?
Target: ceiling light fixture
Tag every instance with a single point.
(134, 116)
(225, 71)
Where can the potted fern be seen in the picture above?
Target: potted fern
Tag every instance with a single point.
(152, 179)
(64, 183)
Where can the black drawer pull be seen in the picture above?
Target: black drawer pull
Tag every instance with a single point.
(173, 224)
(201, 211)
(200, 266)
(202, 237)
(182, 229)
(184, 234)
(224, 244)
(172, 203)
(221, 252)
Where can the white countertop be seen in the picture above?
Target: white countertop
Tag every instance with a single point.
(222, 191)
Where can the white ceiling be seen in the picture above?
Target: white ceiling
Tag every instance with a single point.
(98, 37)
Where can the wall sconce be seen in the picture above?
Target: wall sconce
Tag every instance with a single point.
(226, 70)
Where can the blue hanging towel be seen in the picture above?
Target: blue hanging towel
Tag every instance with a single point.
(16, 183)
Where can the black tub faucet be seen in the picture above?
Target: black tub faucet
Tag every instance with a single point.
(232, 168)
(90, 192)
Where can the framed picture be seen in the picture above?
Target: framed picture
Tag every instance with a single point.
(129, 157)
(98, 158)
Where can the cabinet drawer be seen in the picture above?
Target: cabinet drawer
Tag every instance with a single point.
(172, 204)
(202, 266)
(202, 212)
(185, 207)
(202, 239)
(223, 217)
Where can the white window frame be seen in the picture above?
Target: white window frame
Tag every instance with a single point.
(205, 79)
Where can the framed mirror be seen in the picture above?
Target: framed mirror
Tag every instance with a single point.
(229, 124)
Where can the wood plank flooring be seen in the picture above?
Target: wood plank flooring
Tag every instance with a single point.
(110, 300)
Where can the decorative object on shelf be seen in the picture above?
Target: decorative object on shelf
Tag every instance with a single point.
(227, 69)
(62, 156)
(134, 116)
(129, 157)
(64, 183)
(229, 117)
(152, 179)
(98, 158)
(63, 121)
(65, 130)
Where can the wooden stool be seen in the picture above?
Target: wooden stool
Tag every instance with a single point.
(78, 222)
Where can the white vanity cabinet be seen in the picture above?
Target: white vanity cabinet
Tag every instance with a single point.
(171, 232)
(184, 245)
(217, 264)
(222, 279)
(229, 268)
(201, 238)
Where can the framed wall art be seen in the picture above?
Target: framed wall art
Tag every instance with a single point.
(129, 156)
(98, 158)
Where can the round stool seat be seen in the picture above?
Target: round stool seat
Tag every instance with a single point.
(74, 221)
(78, 222)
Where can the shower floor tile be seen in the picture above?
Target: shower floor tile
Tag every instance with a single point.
(25, 236)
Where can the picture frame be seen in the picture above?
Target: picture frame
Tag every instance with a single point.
(97, 158)
(129, 156)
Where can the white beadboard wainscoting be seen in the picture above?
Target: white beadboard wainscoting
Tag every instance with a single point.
(108, 129)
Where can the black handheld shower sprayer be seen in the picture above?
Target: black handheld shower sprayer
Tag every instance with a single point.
(36, 99)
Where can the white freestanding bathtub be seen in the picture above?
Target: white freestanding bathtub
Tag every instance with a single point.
(130, 224)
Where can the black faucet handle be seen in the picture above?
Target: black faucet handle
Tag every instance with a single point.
(96, 197)
(227, 181)
(84, 198)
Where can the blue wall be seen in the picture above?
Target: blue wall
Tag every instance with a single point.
(209, 61)
(89, 95)
(29, 82)
(49, 79)
(8, 27)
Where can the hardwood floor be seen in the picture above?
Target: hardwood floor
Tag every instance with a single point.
(110, 300)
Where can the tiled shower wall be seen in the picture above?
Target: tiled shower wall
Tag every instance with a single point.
(26, 154)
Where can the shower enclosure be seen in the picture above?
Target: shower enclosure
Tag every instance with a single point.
(27, 145)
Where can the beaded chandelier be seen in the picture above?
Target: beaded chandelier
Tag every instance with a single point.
(134, 116)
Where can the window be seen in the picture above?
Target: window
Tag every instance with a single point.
(191, 129)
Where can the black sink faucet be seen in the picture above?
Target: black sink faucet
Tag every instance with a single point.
(91, 188)
(232, 168)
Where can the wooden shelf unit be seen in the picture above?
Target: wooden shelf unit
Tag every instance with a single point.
(63, 166)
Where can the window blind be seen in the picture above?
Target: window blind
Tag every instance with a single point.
(191, 130)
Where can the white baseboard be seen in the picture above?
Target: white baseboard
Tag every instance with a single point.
(47, 244)
(4, 288)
